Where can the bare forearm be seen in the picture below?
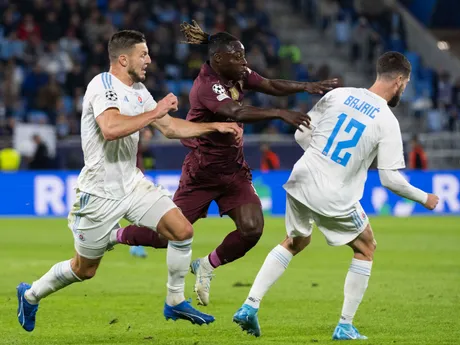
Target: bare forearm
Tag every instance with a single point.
(120, 126)
(182, 129)
(286, 87)
(249, 114)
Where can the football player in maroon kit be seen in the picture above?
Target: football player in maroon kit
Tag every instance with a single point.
(215, 168)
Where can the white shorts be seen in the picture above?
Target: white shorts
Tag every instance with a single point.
(92, 218)
(337, 230)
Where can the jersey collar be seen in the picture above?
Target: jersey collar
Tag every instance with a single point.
(207, 70)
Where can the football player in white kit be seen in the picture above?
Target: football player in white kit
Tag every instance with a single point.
(110, 187)
(349, 128)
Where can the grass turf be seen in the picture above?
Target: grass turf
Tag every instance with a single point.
(413, 295)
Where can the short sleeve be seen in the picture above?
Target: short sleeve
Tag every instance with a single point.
(318, 110)
(102, 94)
(390, 154)
(212, 95)
(150, 103)
(252, 80)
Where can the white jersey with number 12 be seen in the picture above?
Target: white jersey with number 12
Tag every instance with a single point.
(351, 126)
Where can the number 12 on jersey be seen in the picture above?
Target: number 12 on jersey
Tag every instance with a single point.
(345, 144)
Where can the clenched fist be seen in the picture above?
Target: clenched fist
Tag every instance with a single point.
(166, 105)
(431, 202)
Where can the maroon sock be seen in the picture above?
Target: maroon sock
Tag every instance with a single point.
(141, 236)
(233, 247)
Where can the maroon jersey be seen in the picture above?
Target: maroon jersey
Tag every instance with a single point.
(216, 152)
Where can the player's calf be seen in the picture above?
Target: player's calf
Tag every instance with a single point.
(179, 231)
(364, 245)
(296, 244)
(356, 283)
(84, 268)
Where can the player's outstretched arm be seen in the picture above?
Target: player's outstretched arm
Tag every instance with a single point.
(174, 128)
(394, 181)
(279, 87)
(248, 114)
(116, 126)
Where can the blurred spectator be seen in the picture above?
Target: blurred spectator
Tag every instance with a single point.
(40, 159)
(28, 28)
(452, 122)
(51, 30)
(48, 99)
(456, 93)
(445, 89)
(270, 160)
(364, 42)
(417, 156)
(327, 11)
(50, 50)
(256, 59)
(56, 61)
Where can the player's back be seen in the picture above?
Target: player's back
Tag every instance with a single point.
(348, 125)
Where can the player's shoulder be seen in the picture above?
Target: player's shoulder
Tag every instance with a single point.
(102, 81)
(207, 81)
(338, 92)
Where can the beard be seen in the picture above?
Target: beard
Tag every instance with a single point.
(135, 77)
(396, 98)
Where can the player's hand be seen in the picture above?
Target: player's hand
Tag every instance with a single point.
(321, 86)
(431, 202)
(166, 105)
(295, 118)
(231, 128)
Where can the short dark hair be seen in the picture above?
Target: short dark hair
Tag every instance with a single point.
(392, 64)
(195, 35)
(123, 41)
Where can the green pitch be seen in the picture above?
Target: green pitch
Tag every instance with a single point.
(413, 295)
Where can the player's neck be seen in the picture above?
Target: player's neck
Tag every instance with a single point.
(216, 70)
(121, 76)
(381, 90)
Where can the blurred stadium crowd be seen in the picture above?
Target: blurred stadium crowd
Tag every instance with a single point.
(50, 50)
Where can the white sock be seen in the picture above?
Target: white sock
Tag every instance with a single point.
(178, 257)
(354, 289)
(274, 266)
(113, 235)
(58, 277)
(206, 265)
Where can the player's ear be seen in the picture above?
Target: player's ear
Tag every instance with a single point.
(123, 60)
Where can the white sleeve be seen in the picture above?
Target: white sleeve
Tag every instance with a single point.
(103, 95)
(150, 103)
(390, 154)
(304, 138)
(395, 181)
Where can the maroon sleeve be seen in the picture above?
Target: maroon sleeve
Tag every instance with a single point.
(212, 95)
(253, 79)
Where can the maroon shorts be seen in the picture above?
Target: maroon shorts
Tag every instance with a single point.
(198, 188)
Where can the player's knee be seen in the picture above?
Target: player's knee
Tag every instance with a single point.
(184, 232)
(251, 228)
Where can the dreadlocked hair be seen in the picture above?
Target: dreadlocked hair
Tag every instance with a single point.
(194, 34)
